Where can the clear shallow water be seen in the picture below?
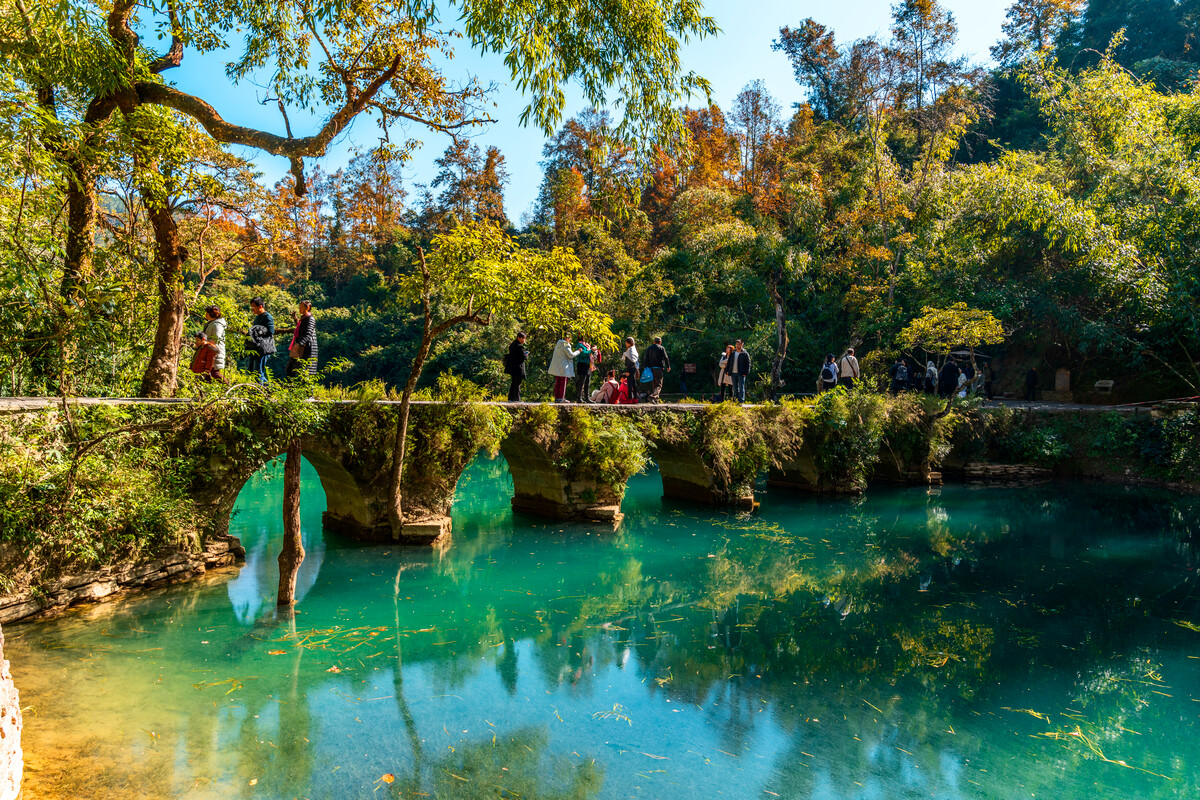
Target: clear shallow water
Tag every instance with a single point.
(956, 644)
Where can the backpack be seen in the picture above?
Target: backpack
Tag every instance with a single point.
(829, 373)
(901, 373)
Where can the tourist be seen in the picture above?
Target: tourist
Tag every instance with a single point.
(848, 369)
(583, 370)
(607, 393)
(260, 341)
(899, 376)
(631, 362)
(302, 350)
(214, 331)
(657, 362)
(562, 367)
(948, 378)
(931, 378)
(514, 366)
(724, 379)
(205, 359)
(916, 375)
(829, 373)
(625, 395)
(1031, 385)
(739, 368)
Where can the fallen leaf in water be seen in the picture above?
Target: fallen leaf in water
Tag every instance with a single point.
(254, 781)
(388, 777)
(334, 668)
(277, 652)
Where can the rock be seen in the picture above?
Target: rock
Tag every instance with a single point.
(90, 587)
(11, 761)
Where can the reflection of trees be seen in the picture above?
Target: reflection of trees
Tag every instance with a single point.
(513, 764)
(891, 620)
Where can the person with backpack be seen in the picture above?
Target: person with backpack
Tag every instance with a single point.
(607, 393)
(260, 339)
(514, 366)
(657, 362)
(899, 375)
(562, 367)
(848, 369)
(829, 373)
(583, 370)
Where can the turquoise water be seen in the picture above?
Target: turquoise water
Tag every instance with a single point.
(960, 643)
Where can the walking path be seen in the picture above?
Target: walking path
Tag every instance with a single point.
(33, 403)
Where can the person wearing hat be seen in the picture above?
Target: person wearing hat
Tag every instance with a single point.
(658, 363)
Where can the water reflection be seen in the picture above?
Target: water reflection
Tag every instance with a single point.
(954, 644)
(259, 520)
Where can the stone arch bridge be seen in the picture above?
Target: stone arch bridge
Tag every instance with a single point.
(567, 462)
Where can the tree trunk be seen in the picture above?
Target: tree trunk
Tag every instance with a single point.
(396, 509)
(781, 341)
(292, 554)
(170, 255)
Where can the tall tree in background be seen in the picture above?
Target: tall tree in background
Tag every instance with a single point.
(1032, 27)
(489, 203)
(755, 121)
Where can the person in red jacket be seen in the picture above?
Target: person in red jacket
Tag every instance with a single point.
(204, 363)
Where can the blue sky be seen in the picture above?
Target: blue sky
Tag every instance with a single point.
(740, 54)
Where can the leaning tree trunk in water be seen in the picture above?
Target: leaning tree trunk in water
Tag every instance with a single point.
(170, 255)
(292, 554)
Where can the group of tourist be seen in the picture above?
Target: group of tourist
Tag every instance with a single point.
(208, 343)
(638, 379)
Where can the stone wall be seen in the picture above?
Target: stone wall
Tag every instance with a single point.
(89, 587)
(11, 763)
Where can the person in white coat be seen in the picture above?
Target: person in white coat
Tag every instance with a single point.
(562, 367)
(214, 329)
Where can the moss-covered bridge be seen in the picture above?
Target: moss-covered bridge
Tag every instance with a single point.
(573, 462)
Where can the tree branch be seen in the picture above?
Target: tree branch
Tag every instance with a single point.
(228, 133)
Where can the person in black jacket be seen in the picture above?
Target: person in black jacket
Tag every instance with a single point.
(738, 367)
(948, 378)
(655, 358)
(261, 341)
(514, 365)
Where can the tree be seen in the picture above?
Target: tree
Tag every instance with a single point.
(475, 274)
(1033, 27)
(458, 178)
(339, 60)
(489, 204)
(755, 118)
(940, 330)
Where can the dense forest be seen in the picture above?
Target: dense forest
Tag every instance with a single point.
(1054, 188)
